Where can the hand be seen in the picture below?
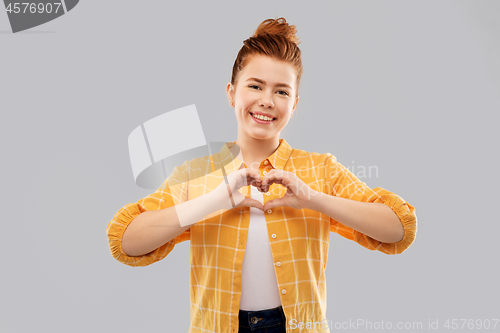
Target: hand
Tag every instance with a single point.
(236, 180)
(298, 194)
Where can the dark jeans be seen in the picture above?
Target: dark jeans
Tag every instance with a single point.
(264, 321)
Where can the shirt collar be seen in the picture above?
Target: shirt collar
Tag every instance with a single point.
(278, 159)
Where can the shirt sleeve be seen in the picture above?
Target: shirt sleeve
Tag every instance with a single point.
(343, 183)
(164, 197)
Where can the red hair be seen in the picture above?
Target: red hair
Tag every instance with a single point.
(274, 38)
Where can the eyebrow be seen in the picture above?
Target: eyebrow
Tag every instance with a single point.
(264, 82)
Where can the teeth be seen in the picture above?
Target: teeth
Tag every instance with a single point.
(261, 117)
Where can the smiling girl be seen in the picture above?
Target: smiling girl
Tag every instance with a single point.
(258, 260)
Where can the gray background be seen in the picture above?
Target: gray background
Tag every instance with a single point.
(411, 87)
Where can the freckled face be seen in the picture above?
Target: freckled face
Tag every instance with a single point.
(264, 97)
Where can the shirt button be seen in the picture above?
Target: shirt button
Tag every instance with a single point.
(266, 162)
(268, 193)
(265, 173)
(278, 264)
(273, 235)
(269, 211)
(283, 291)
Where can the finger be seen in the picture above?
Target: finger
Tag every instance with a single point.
(254, 179)
(253, 176)
(254, 182)
(274, 176)
(289, 191)
(280, 177)
(246, 177)
(248, 202)
(248, 172)
(265, 185)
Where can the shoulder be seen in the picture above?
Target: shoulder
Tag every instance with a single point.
(191, 169)
(300, 156)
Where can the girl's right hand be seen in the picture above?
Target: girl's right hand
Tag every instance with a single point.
(236, 180)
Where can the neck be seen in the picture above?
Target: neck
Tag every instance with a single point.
(255, 151)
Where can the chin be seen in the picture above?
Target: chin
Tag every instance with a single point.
(263, 136)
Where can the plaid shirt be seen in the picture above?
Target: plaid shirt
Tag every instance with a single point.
(299, 239)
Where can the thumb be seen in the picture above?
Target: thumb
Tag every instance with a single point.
(249, 202)
(275, 203)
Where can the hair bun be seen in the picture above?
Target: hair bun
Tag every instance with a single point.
(277, 26)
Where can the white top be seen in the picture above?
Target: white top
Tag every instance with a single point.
(259, 286)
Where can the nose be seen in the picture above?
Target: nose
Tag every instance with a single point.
(266, 101)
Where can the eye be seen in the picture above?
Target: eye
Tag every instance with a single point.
(253, 86)
(284, 93)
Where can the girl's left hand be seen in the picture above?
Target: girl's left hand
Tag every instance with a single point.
(298, 194)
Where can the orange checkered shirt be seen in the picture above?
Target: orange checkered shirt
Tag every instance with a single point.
(299, 238)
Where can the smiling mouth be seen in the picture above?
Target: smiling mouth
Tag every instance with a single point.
(262, 118)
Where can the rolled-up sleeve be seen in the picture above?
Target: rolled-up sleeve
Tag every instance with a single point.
(343, 183)
(160, 199)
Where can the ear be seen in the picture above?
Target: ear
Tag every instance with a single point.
(295, 103)
(230, 93)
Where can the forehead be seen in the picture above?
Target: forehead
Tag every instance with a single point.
(270, 70)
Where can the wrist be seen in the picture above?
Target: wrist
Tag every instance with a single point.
(315, 201)
(220, 199)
